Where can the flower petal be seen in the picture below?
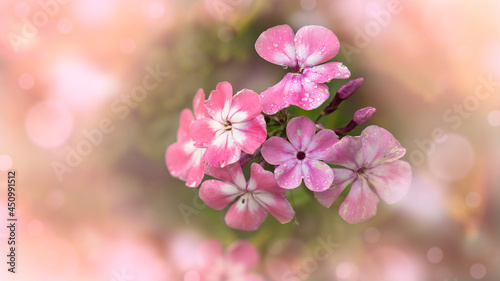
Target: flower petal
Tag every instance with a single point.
(314, 45)
(219, 101)
(391, 180)
(250, 135)
(276, 204)
(231, 173)
(326, 72)
(245, 214)
(184, 131)
(321, 144)
(300, 131)
(218, 194)
(205, 130)
(276, 45)
(178, 158)
(342, 178)
(243, 253)
(346, 152)
(197, 168)
(245, 106)
(277, 150)
(317, 175)
(308, 95)
(274, 98)
(263, 181)
(379, 146)
(289, 174)
(360, 204)
(199, 105)
(222, 151)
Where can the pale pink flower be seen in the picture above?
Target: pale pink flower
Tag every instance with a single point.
(184, 160)
(233, 265)
(304, 86)
(254, 199)
(300, 157)
(235, 124)
(369, 159)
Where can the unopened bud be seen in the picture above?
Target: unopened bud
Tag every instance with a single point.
(349, 88)
(363, 115)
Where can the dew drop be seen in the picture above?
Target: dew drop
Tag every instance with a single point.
(275, 45)
(285, 67)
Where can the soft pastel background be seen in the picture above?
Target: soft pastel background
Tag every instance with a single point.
(67, 68)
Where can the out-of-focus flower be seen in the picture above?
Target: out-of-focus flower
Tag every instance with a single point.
(304, 87)
(185, 160)
(214, 265)
(368, 158)
(236, 124)
(300, 158)
(257, 197)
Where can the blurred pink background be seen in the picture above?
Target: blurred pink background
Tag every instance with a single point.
(90, 93)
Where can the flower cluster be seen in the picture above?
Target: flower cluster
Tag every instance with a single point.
(227, 132)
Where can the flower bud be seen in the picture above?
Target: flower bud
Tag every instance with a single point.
(363, 115)
(349, 88)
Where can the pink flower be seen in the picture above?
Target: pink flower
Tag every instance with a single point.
(236, 124)
(183, 158)
(257, 197)
(370, 158)
(304, 87)
(300, 158)
(214, 265)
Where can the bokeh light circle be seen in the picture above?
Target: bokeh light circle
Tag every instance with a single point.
(473, 199)
(494, 118)
(5, 162)
(49, 124)
(26, 81)
(22, 9)
(156, 10)
(452, 159)
(435, 255)
(478, 271)
(346, 271)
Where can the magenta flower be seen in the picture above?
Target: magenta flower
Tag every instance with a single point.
(257, 197)
(300, 158)
(304, 87)
(183, 159)
(215, 265)
(370, 158)
(235, 124)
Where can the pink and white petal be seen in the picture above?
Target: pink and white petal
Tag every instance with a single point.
(222, 151)
(274, 98)
(342, 178)
(208, 253)
(317, 175)
(391, 180)
(326, 72)
(289, 174)
(310, 96)
(178, 159)
(276, 204)
(185, 121)
(197, 171)
(218, 194)
(300, 132)
(276, 45)
(379, 146)
(276, 150)
(219, 101)
(231, 173)
(263, 181)
(245, 214)
(245, 106)
(205, 130)
(321, 144)
(253, 277)
(314, 45)
(346, 152)
(244, 254)
(199, 105)
(250, 135)
(360, 204)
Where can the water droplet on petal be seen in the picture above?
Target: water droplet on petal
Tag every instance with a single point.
(275, 45)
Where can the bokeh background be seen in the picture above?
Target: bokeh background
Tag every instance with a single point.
(96, 202)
